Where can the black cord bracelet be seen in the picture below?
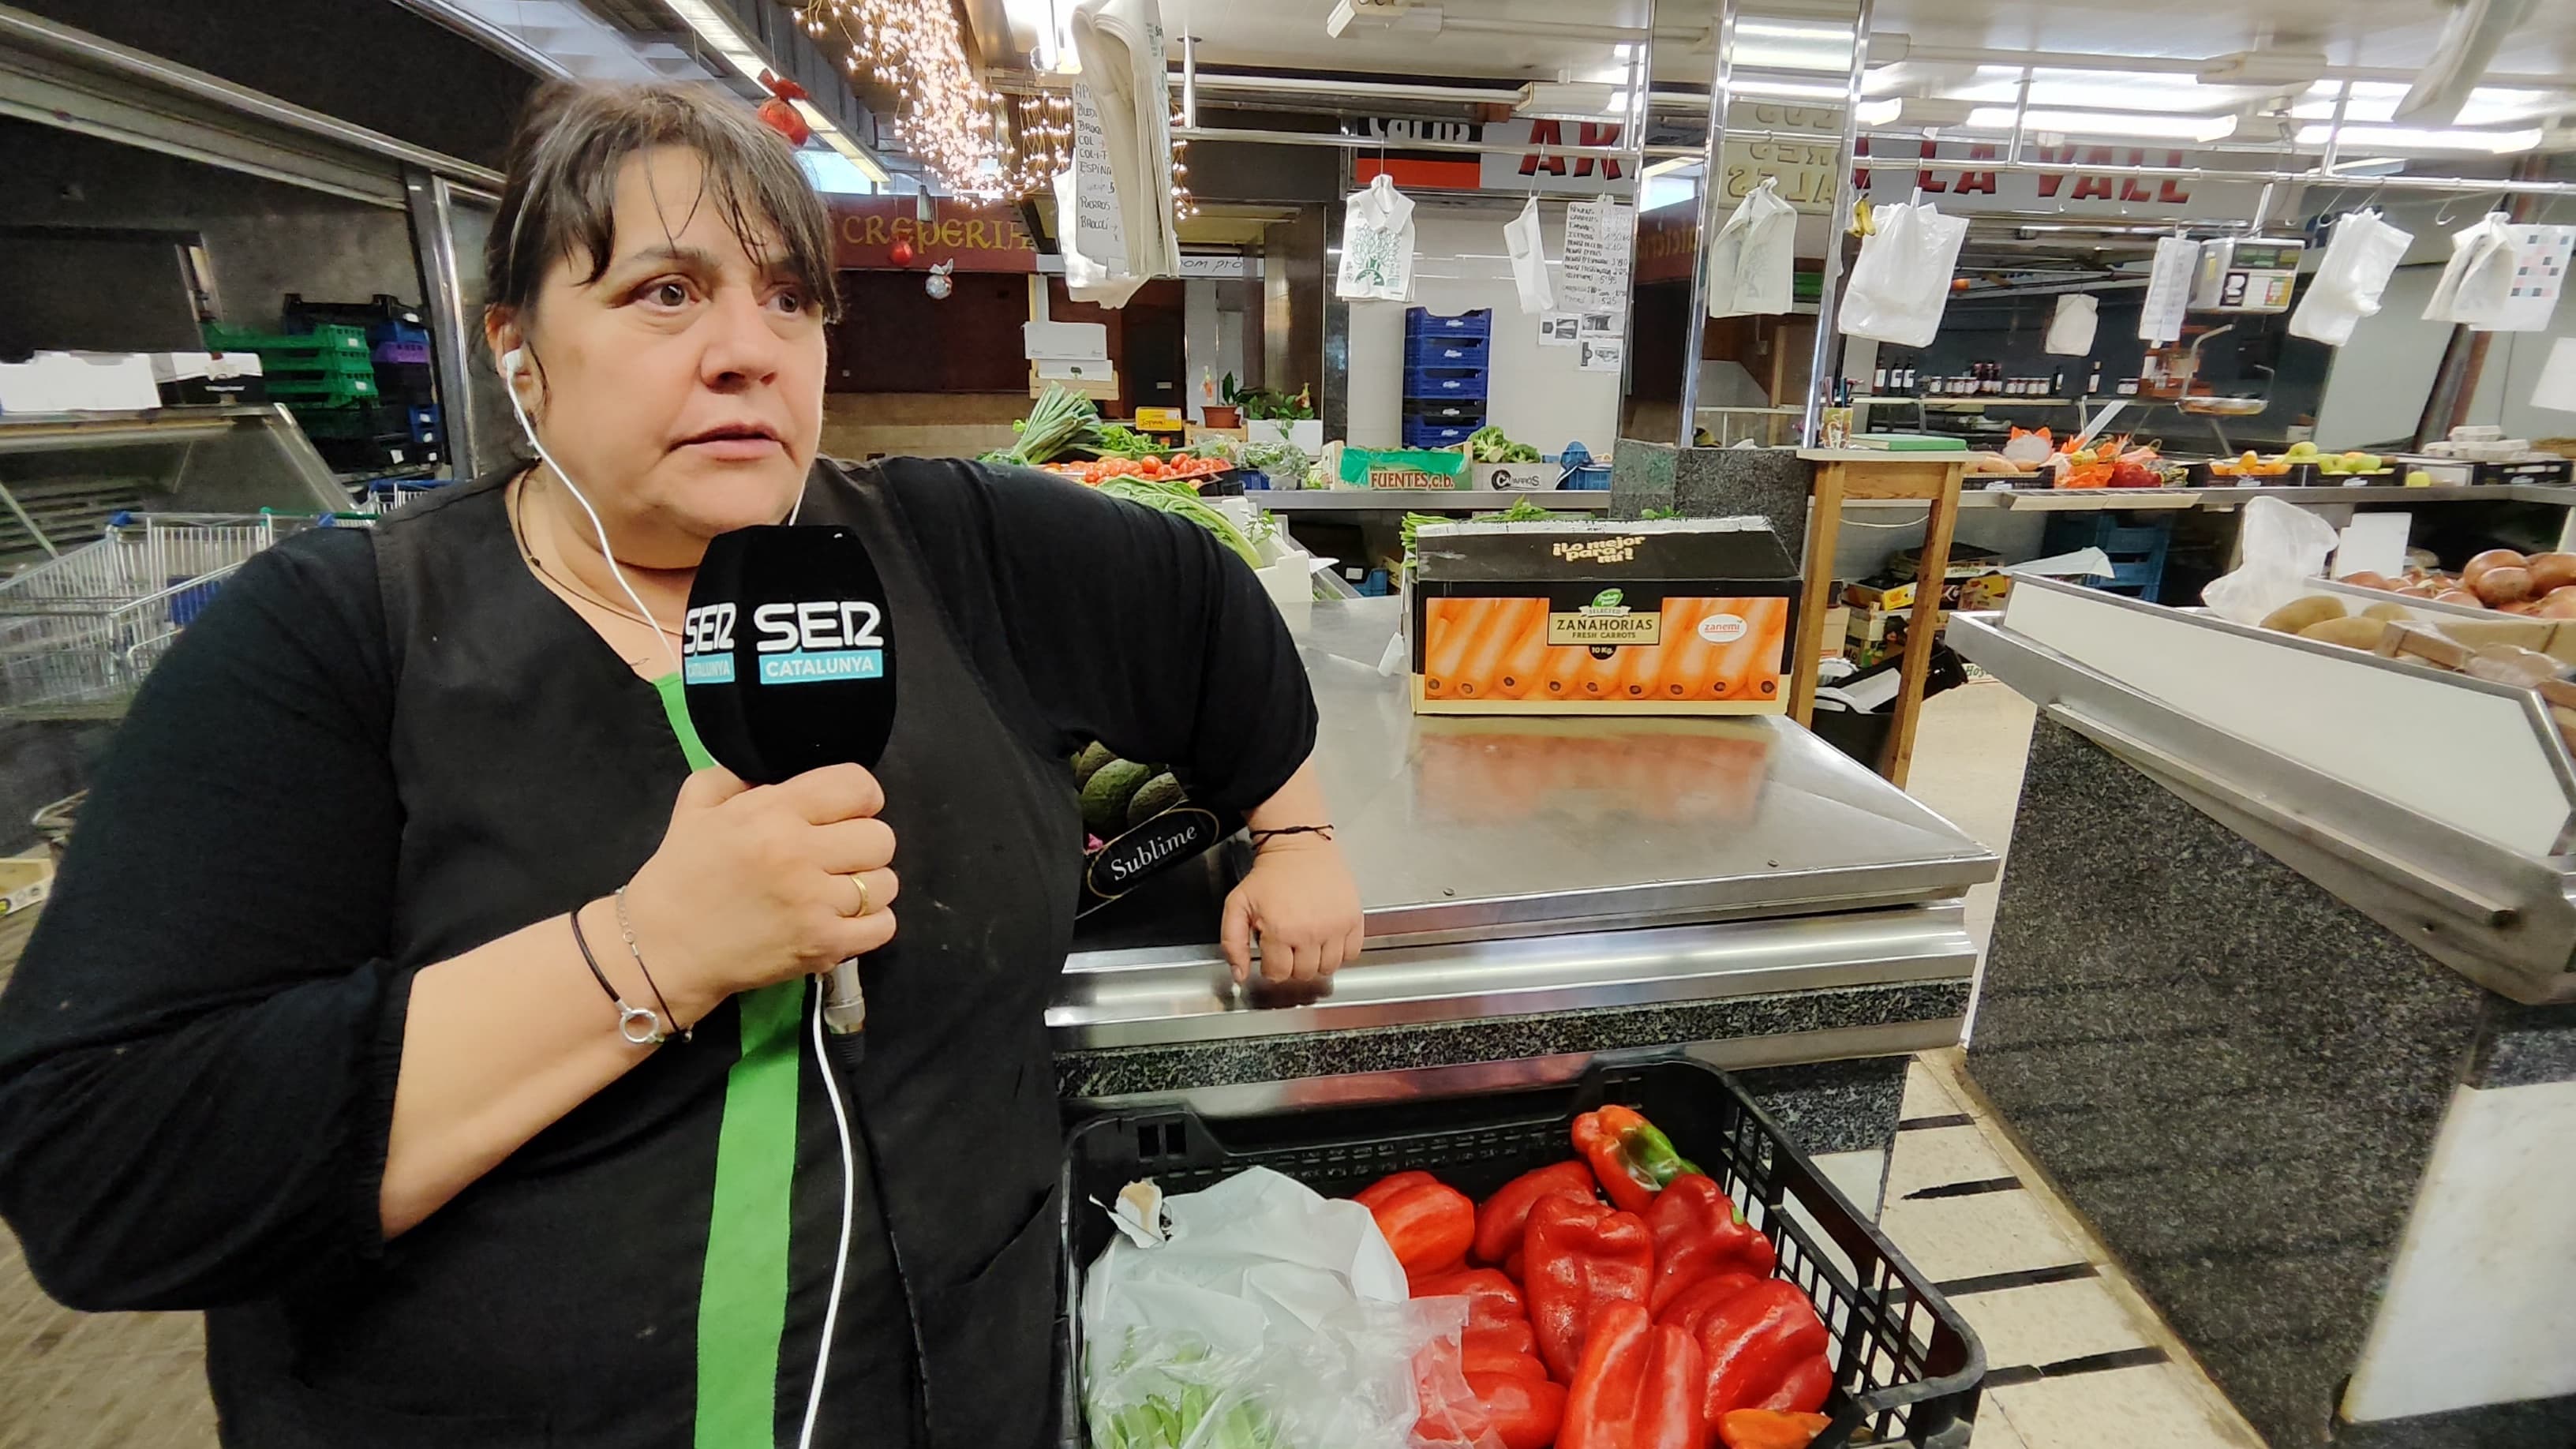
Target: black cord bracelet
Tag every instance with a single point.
(626, 928)
(1260, 837)
(627, 1016)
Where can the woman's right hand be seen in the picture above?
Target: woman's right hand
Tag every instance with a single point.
(752, 884)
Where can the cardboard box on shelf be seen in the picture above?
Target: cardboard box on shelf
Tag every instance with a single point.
(1688, 616)
(1837, 624)
(1966, 562)
(1974, 593)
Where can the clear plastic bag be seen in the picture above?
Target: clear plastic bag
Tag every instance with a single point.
(2071, 327)
(1528, 249)
(2285, 550)
(1900, 285)
(2478, 280)
(2360, 257)
(1264, 1316)
(1752, 263)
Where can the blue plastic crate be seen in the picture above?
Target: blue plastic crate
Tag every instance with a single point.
(1423, 322)
(2137, 550)
(1446, 351)
(397, 333)
(1444, 382)
(1420, 434)
(1445, 409)
(425, 423)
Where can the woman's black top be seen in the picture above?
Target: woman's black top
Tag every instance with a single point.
(374, 752)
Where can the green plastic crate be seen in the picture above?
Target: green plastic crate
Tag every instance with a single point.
(322, 392)
(325, 339)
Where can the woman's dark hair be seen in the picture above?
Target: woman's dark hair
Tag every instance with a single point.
(561, 196)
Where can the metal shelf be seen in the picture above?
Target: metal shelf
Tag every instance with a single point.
(1428, 500)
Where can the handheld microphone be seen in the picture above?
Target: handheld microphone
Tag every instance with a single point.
(787, 662)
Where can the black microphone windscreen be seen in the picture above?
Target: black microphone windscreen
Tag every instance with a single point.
(787, 654)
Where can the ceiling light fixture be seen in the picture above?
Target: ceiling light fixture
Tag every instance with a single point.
(2115, 124)
(2407, 138)
(721, 37)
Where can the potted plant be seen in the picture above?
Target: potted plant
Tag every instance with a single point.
(1227, 411)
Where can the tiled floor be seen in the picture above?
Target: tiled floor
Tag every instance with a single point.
(2078, 1360)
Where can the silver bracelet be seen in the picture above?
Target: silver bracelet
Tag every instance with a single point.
(626, 928)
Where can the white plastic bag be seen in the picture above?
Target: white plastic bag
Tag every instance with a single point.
(1900, 285)
(2285, 550)
(1377, 244)
(1528, 249)
(1752, 263)
(2360, 257)
(1264, 1317)
(2071, 326)
(2478, 280)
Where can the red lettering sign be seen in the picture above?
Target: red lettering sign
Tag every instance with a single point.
(978, 238)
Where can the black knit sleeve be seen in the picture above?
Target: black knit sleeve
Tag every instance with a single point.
(198, 1049)
(1129, 626)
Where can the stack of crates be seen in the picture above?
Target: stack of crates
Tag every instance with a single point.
(2137, 550)
(357, 377)
(321, 370)
(1447, 364)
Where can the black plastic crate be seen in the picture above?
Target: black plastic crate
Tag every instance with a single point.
(1906, 1364)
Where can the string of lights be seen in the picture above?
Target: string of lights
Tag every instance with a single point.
(947, 116)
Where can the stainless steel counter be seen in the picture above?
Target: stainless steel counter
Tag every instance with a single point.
(1525, 867)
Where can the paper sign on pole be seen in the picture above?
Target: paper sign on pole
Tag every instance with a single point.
(1600, 238)
(1100, 226)
(2168, 290)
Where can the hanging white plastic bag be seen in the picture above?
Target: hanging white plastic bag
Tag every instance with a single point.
(2478, 280)
(2359, 259)
(1752, 263)
(2071, 326)
(2285, 550)
(1900, 285)
(1263, 1314)
(1377, 244)
(1528, 248)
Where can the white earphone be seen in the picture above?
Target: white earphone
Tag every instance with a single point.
(510, 365)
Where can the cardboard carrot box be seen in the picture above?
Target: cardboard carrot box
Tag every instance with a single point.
(1686, 616)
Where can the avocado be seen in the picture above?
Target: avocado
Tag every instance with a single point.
(1090, 759)
(1154, 797)
(1105, 795)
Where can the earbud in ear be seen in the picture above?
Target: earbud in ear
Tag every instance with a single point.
(510, 362)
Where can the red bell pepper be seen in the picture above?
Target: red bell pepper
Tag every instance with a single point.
(1524, 1413)
(1428, 1223)
(1699, 1234)
(1490, 1360)
(1629, 1156)
(1637, 1388)
(1445, 1407)
(1500, 1221)
(1583, 1257)
(1769, 1429)
(1692, 1306)
(1765, 1349)
(1496, 1317)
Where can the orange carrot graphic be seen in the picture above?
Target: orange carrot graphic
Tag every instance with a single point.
(1480, 676)
(1526, 657)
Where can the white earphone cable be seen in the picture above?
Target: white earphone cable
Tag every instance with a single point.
(849, 1198)
(510, 363)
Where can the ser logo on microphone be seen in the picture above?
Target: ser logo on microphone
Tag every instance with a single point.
(817, 641)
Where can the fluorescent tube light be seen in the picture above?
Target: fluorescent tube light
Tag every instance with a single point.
(721, 37)
(2120, 124)
(2404, 138)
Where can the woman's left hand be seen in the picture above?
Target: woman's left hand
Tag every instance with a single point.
(1300, 900)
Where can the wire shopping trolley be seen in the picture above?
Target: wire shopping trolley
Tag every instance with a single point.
(79, 632)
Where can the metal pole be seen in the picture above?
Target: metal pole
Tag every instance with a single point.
(1189, 79)
(1712, 190)
(1641, 79)
(1828, 299)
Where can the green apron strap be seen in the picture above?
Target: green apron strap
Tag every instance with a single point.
(742, 1300)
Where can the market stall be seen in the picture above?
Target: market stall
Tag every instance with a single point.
(2308, 897)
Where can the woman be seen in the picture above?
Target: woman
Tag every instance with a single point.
(331, 1026)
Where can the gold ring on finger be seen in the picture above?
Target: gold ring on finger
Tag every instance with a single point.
(867, 902)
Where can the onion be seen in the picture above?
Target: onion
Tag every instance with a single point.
(2551, 572)
(2459, 596)
(2494, 558)
(2502, 585)
(2560, 604)
(2367, 580)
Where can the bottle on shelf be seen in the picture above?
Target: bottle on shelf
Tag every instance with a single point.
(1878, 378)
(2057, 382)
(2093, 387)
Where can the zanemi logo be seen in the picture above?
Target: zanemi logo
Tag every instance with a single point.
(1722, 628)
